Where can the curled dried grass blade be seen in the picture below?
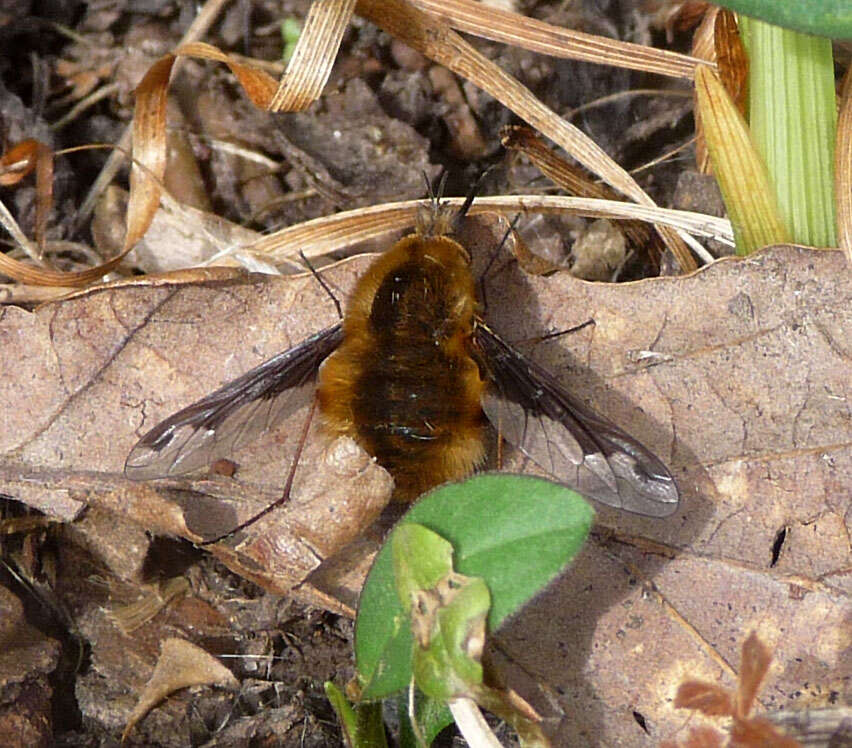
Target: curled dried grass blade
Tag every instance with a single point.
(313, 57)
(206, 17)
(731, 57)
(416, 28)
(149, 128)
(843, 169)
(718, 40)
(567, 176)
(322, 235)
(41, 276)
(302, 83)
(704, 48)
(36, 276)
(518, 30)
(432, 37)
(16, 163)
(741, 173)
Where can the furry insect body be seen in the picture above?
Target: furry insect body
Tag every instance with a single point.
(403, 382)
(414, 374)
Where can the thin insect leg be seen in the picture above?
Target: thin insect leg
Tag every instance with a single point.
(560, 333)
(285, 494)
(494, 254)
(322, 283)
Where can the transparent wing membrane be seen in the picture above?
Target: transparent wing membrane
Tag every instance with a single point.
(536, 414)
(234, 415)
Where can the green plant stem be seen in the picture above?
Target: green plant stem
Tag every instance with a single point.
(793, 121)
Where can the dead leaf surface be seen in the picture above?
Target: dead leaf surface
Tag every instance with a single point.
(181, 664)
(737, 376)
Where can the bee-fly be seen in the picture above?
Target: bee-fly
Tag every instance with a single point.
(414, 375)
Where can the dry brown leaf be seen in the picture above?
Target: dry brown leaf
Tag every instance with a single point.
(25, 652)
(27, 658)
(180, 665)
(737, 376)
(698, 737)
(707, 698)
(753, 668)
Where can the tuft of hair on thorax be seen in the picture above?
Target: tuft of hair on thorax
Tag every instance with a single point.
(437, 219)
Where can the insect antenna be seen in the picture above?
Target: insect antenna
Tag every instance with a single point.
(322, 282)
(459, 217)
(285, 494)
(435, 195)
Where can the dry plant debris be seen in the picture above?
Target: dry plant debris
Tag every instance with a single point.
(180, 665)
(747, 731)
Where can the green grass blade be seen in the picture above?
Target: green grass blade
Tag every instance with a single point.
(831, 18)
(793, 121)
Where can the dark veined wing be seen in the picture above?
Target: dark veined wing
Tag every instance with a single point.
(533, 411)
(231, 417)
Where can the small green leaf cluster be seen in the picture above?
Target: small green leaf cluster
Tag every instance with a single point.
(462, 560)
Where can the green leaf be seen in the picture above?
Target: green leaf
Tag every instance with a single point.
(447, 612)
(291, 30)
(517, 532)
(447, 665)
(431, 715)
(421, 559)
(831, 18)
(362, 725)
